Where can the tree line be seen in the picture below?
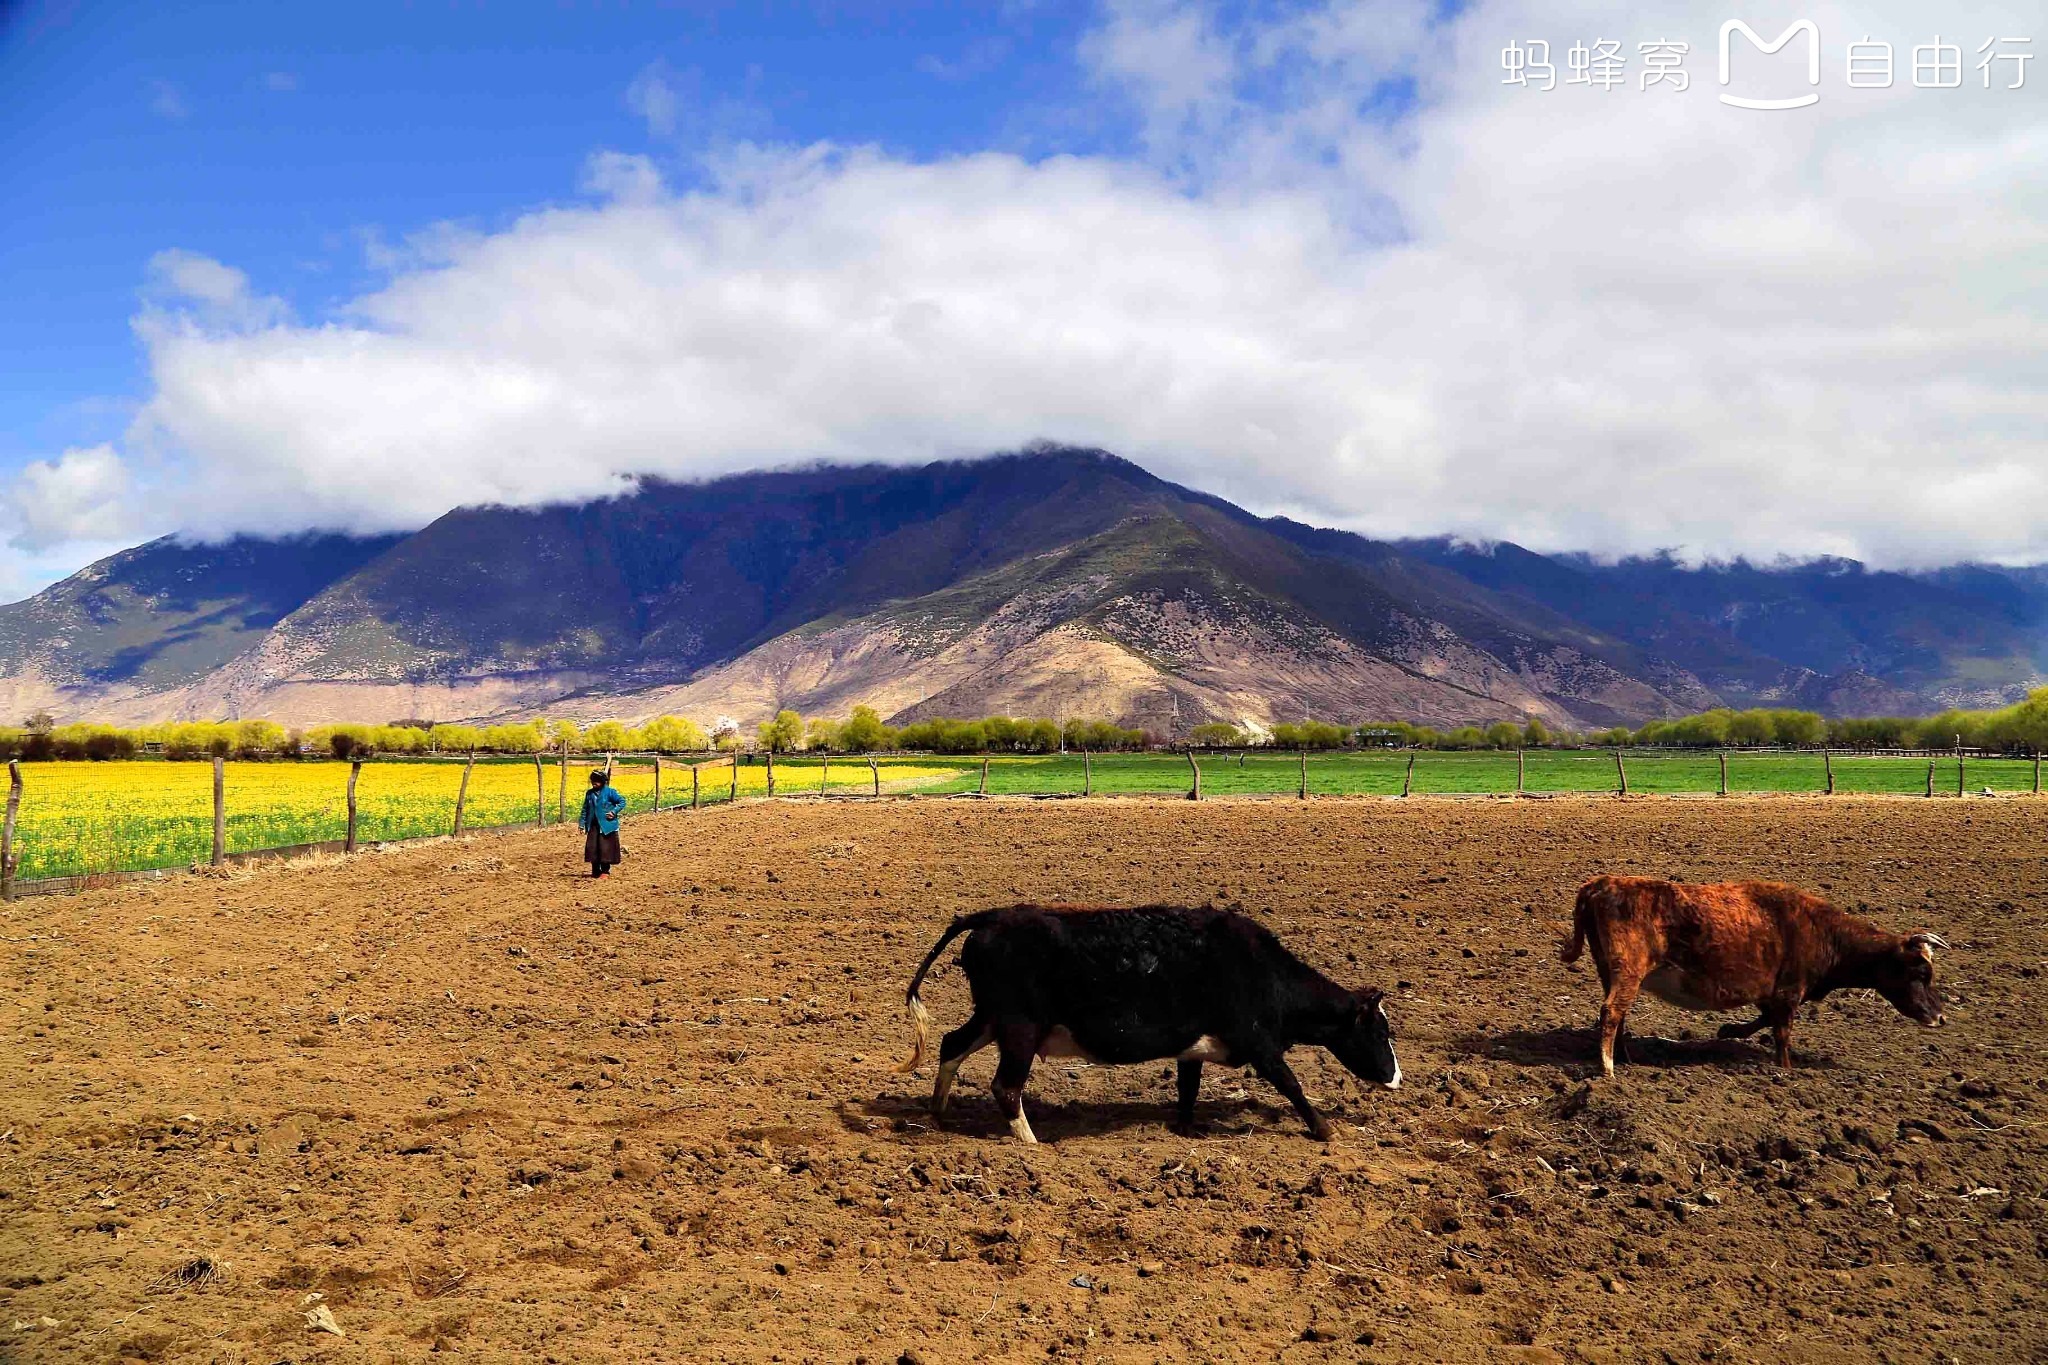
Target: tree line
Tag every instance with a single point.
(864, 732)
(2019, 728)
(261, 739)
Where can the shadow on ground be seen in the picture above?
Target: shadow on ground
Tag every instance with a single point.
(1577, 1050)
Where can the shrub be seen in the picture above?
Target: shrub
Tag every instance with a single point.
(605, 737)
(1216, 735)
(784, 734)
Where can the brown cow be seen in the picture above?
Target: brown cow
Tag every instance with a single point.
(1723, 945)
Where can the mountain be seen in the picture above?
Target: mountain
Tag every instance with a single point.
(1049, 582)
(1826, 633)
(137, 629)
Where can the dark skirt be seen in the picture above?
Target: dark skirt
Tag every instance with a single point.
(600, 848)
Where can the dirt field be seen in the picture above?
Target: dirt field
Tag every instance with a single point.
(467, 1101)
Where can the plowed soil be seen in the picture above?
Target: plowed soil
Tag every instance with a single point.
(466, 1100)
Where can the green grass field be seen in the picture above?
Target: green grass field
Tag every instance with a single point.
(105, 817)
(1381, 774)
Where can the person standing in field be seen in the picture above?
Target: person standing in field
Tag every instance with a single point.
(602, 807)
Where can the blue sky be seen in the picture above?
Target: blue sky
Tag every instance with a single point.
(272, 268)
(286, 138)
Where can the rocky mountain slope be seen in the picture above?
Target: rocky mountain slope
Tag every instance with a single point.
(1050, 582)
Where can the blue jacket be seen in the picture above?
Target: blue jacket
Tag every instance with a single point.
(602, 807)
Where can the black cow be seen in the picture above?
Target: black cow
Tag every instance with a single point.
(1115, 985)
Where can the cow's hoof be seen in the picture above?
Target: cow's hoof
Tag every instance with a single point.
(1322, 1132)
(1731, 1031)
(1191, 1130)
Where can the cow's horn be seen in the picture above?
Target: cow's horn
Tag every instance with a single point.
(1931, 940)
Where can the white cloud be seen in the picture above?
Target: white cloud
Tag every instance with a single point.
(200, 289)
(673, 105)
(83, 495)
(200, 278)
(1579, 319)
(1169, 59)
(623, 176)
(654, 97)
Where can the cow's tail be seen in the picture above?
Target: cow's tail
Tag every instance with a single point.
(1582, 921)
(920, 1018)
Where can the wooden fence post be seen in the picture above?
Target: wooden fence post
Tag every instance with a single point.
(607, 765)
(734, 794)
(771, 770)
(1087, 775)
(220, 812)
(1724, 772)
(1194, 792)
(1959, 775)
(355, 770)
(462, 794)
(824, 771)
(1408, 778)
(984, 776)
(540, 792)
(657, 784)
(1828, 762)
(2037, 772)
(7, 857)
(1302, 791)
(695, 777)
(1621, 772)
(1521, 769)
(1930, 777)
(562, 787)
(875, 771)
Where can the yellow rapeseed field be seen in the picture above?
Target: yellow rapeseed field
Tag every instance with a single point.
(103, 817)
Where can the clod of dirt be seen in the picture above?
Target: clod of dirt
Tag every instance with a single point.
(1317, 1334)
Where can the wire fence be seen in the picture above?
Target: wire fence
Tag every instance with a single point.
(71, 824)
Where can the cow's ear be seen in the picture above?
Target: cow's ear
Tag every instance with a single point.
(1368, 1000)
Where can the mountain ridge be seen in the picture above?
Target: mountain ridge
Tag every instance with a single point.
(1054, 581)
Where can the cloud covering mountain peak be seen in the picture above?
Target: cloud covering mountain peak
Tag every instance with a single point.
(1343, 272)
